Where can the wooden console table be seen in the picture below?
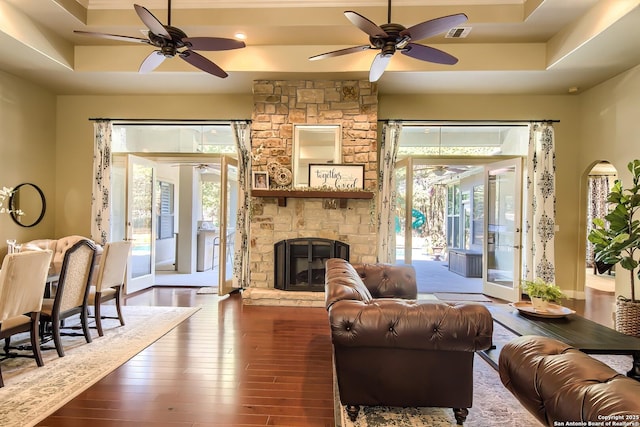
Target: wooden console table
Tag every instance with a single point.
(283, 195)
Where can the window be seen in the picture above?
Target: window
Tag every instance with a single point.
(453, 215)
(463, 140)
(478, 215)
(188, 137)
(165, 208)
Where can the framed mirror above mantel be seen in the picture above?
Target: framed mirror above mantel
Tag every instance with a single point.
(314, 144)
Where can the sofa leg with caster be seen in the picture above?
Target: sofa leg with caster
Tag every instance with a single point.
(352, 411)
(460, 414)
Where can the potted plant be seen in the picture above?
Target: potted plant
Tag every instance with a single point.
(541, 293)
(616, 239)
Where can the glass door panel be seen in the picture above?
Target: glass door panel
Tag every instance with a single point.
(404, 195)
(229, 199)
(140, 222)
(502, 236)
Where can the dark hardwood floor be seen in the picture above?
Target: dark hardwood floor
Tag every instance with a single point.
(227, 365)
(230, 365)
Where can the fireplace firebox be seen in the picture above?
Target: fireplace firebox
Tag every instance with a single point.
(299, 263)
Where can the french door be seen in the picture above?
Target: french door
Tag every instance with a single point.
(229, 198)
(140, 222)
(404, 204)
(502, 229)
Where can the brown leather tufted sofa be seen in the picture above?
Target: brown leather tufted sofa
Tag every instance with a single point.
(393, 350)
(560, 385)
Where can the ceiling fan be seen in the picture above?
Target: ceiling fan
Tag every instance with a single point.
(172, 41)
(200, 167)
(390, 37)
(442, 170)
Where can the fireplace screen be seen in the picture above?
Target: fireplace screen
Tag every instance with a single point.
(300, 262)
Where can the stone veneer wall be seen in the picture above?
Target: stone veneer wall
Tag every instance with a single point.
(278, 105)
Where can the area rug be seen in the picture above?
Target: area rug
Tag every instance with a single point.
(207, 290)
(31, 394)
(450, 296)
(493, 404)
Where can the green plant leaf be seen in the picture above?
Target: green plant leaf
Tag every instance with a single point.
(628, 263)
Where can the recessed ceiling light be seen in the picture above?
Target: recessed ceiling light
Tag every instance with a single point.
(573, 89)
(240, 36)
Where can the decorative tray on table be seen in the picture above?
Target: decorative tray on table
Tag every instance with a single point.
(553, 310)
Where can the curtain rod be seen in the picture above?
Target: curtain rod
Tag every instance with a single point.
(95, 119)
(469, 121)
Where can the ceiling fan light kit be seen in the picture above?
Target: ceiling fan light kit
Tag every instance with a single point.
(171, 41)
(391, 37)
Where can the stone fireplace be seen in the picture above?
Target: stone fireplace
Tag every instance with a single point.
(278, 105)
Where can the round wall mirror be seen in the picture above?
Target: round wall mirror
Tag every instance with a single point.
(28, 198)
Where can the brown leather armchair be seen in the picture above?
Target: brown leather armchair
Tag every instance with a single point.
(391, 349)
(559, 384)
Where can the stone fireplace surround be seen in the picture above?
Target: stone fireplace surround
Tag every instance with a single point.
(278, 105)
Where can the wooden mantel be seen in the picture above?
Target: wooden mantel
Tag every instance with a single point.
(283, 195)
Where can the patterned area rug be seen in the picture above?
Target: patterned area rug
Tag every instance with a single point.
(31, 394)
(493, 404)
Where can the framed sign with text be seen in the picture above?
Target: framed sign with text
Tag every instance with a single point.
(336, 176)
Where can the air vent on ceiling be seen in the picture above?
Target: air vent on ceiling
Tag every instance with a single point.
(458, 33)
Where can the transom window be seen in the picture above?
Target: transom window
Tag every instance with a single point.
(187, 137)
(463, 140)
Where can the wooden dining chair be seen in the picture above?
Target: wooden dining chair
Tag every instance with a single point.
(22, 282)
(110, 280)
(72, 292)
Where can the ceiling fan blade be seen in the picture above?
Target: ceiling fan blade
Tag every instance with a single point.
(152, 22)
(212, 43)
(203, 63)
(113, 37)
(434, 26)
(431, 54)
(365, 25)
(378, 66)
(151, 62)
(340, 52)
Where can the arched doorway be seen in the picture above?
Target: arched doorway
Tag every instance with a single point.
(599, 277)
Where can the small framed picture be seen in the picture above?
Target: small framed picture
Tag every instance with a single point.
(260, 180)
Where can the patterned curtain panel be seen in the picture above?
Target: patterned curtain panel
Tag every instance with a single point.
(100, 198)
(597, 207)
(541, 215)
(241, 270)
(386, 204)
